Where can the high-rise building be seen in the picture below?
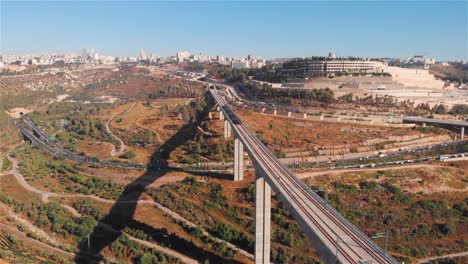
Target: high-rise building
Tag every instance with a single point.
(182, 55)
(142, 54)
(153, 58)
(84, 55)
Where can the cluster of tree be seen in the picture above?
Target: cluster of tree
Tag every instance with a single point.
(459, 109)
(229, 74)
(173, 91)
(95, 185)
(456, 72)
(9, 134)
(381, 101)
(440, 109)
(442, 219)
(61, 108)
(34, 164)
(83, 125)
(124, 248)
(398, 195)
(176, 242)
(54, 217)
(304, 96)
(362, 74)
(194, 67)
(230, 234)
(142, 137)
(221, 150)
(389, 101)
(85, 207)
(235, 226)
(191, 112)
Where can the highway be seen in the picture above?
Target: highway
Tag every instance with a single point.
(318, 220)
(54, 148)
(57, 150)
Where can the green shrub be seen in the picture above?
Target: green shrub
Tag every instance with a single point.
(128, 155)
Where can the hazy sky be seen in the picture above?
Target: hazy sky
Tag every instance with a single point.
(236, 28)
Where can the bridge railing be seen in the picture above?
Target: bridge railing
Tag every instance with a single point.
(332, 210)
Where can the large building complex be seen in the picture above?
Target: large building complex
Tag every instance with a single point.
(319, 66)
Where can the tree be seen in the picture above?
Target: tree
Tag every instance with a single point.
(459, 109)
(439, 109)
(147, 258)
(128, 155)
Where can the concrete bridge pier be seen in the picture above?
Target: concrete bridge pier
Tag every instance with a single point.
(262, 221)
(227, 129)
(462, 133)
(238, 160)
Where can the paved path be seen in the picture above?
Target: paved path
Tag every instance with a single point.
(449, 256)
(123, 147)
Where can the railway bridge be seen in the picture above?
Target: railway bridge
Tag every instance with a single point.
(335, 238)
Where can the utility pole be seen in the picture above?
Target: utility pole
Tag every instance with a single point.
(383, 235)
(326, 196)
(386, 242)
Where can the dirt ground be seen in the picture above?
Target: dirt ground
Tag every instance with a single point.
(10, 187)
(146, 118)
(439, 178)
(15, 112)
(284, 132)
(102, 150)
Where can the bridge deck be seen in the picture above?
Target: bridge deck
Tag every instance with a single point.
(435, 121)
(331, 233)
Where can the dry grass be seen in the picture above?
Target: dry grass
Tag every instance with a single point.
(101, 150)
(293, 133)
(428, 180)
(10, 186)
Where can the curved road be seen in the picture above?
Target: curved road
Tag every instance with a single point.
(123, 147)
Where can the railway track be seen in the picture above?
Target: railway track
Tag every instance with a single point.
(326, 221)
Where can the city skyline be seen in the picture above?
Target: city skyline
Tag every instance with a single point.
(272, 30)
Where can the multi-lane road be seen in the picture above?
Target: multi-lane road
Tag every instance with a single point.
(319, 221)
(39, 137)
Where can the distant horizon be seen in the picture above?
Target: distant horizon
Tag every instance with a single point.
(241, 56)
(271, 30)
